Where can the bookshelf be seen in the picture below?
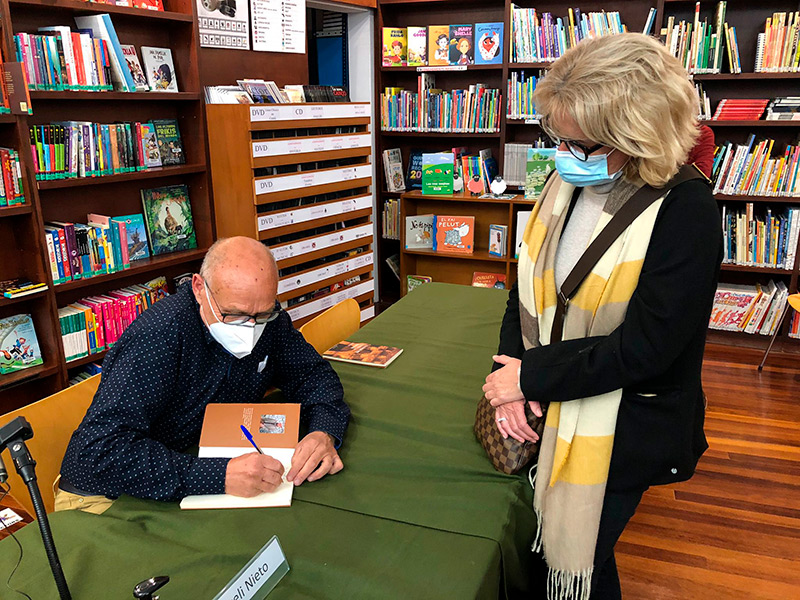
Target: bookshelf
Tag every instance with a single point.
(21, 228)
(748, 18)
(299, 178)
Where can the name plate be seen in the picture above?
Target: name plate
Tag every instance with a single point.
(259, 576)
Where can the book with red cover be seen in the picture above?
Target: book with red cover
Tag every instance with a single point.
(489, 280)
(361, 353)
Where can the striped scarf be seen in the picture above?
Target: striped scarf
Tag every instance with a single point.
(576, 446)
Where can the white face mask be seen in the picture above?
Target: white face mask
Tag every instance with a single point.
(238, 340)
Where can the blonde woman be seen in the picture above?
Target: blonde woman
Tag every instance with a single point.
(623, 391)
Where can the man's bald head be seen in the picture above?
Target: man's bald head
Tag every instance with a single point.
(241, 274)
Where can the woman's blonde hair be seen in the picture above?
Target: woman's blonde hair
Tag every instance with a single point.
(626, 91)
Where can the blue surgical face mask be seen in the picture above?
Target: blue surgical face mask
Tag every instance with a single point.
(582, 173)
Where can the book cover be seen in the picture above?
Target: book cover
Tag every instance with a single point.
(168, 219)
(439, 45)
(275, 429)
(170, 147)
(19, 348)
(414, 281)
(148, 4)
(454, 234)
(394, 47)
(137, 236)
(15, 288)
(538, 166)
(437, 173)
(417, 46)
(462, 51)
(160, 69)
(497, 240)
(489, 280)
(393, 168)
(135, 67)
(419, 232)
(152, 155)
(414, 173)
(488, 43)
(363, 354)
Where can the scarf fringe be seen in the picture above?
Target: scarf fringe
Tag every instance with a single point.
(537, 542)
(569, 585)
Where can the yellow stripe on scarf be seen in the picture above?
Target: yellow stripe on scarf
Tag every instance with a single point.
(596, 291)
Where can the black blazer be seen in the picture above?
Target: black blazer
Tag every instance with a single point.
(655, 355)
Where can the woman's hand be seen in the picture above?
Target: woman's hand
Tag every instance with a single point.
(503, 385)
(511, 421)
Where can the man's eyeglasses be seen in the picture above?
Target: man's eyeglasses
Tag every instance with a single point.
(247, 320)
(578, 150)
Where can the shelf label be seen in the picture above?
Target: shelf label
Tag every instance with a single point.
(298, 280)
(315, 306)
(321, 242)
(442, 68)
(309, 213)
(283, 183)
(291, 112)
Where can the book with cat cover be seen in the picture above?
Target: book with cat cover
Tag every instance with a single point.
(461, 46)
(168, 218)
(488, 43)
(159, 68)
(275, 430)
(19, 348)
(363, 354)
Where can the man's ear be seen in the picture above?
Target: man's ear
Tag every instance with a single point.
(198, 287)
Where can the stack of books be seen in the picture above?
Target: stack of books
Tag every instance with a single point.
(740, 109)
(12, 192)
(85, 373)
(794, 328)
(777, 49)
(784, 109)
(16, 288)
(749, 170)
(753, 309)
(391, 219)
(764, 240)
(95, 323)
(515, 161)
(520, 96)
(703, 102)
(539, 37)
(699, 45)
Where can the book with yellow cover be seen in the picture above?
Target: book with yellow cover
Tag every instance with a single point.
(274, 427)
(361, 353)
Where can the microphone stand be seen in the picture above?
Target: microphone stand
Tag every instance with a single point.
(13, 436)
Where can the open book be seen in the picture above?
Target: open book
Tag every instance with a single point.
(274, 428)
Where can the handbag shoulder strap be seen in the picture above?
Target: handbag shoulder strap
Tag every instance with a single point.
(627, 214)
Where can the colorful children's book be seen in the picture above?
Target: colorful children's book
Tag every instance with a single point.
(275, 430)
(489, 280)
(160, 69)
(137, 236)
(393, 168)
(488, 43)
(394, 47)
(170, 147)
(497, 240)
(417, 46)
(461, 48)
(361, 353)
(414, 173)
(455, 234)
(168, 217)
(19, 348)
(439, 45)
(414, 281)
(16, 288)
(437, 173)
(419, 232)
(135, 67)
(149, 141)
(540, 162)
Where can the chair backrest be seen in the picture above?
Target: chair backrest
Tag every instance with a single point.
(794, 302)
(333, 325)
(53, 419)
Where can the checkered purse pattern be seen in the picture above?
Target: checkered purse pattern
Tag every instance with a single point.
(507, 455)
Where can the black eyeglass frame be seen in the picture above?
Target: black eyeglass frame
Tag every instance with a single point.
(246, 320)
(578, 150)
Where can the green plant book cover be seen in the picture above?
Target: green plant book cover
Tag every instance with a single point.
(540, 162)
(168, 216)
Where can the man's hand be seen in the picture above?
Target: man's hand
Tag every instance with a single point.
(314, 458)
(252, 474)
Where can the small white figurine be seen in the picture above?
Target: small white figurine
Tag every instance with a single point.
(498, 186)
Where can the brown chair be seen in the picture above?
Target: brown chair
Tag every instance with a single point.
(53, 419)
(794, 302)
(333, 325)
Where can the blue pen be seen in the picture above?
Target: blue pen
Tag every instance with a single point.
(250, 438)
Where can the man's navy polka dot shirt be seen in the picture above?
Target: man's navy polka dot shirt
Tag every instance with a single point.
(156, 382)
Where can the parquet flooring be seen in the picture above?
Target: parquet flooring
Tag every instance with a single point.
(732, 531)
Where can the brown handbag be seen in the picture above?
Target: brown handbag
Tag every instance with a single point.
(508, 455)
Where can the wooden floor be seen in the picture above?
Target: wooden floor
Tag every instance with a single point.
(733, 530)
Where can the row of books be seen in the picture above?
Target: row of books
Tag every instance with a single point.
(474, 110)
(18, 287)
(19, 347)
(539, 37)
(479, 279)
(259, 91)
(783, 109)
(86, 372)
(92, 59)
(520, 91)
(749, 170)
(768, 239)
(95, 323)
(703, 103)
(699, 45)
(794, 327)
(390, 219)
(778, 48)
(72, 149)
(740, 109)
(479, 44)
(440, 233)
(12, 191)
(753, 309)
(144, 4)
(515, 160)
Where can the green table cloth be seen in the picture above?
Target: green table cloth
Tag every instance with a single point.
(418, 511)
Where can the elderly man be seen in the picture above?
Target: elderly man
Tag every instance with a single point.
(222, 339)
